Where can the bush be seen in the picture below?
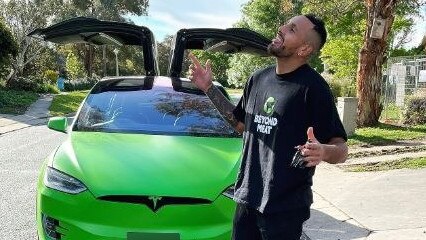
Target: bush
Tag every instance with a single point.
(242, 66)
(16, 102)
(80, 84)
(415, 112)
(50, 76)
(341, 87)
(24, 83)
(33, 84)
(47, 88)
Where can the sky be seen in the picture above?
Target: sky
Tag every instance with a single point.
(166, 17)
(419, 30)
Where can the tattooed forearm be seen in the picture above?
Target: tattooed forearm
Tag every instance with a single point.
(223, 105)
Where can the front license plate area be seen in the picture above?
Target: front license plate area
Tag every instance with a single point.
(152, 236)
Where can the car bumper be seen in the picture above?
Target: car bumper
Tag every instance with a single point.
(82, 216)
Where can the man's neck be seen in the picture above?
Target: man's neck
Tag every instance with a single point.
(287, 65)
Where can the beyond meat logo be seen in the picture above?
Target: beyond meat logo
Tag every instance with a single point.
(269, 106)
(265, 123)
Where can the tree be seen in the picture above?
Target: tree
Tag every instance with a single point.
(220, 63)
(8, 47)
(74, 67)
(347, 20)
(163, 49)
(372, 56)
(22, 17)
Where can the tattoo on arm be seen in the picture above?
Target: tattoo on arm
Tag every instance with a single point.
(223, 105)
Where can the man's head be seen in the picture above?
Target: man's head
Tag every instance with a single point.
(301, 37)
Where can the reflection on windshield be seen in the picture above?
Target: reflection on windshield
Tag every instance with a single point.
(157, 112)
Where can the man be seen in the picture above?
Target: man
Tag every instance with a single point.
(280, 109)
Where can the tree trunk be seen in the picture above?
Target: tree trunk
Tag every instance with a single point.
(10, 77)
(88, 60)
(371, 57)
(104, 66)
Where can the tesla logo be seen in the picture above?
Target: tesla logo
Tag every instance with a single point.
(155, 200)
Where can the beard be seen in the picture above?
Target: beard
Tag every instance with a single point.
(278, 51)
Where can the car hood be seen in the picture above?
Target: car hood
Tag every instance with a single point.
(150, 165)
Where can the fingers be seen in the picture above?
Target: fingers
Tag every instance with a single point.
(312, 154)
(194, 60)
(208, 66)
(312, 162)
(311, 136)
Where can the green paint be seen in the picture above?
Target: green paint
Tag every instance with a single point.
(145, 165)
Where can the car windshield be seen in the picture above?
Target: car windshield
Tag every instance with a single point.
(159, 111)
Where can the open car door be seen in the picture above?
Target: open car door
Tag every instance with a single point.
(98, 32)
(231, 40)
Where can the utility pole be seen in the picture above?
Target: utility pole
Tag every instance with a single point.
(116, 61)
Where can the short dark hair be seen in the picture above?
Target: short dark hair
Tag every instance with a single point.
(319, 27)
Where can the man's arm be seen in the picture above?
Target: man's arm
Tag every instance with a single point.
(225, 107)
(202, 78)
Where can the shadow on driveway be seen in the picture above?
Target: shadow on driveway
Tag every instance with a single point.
(323, 226)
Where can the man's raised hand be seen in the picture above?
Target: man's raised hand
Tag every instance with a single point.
(200, 76)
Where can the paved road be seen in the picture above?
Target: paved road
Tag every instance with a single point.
(21, 154)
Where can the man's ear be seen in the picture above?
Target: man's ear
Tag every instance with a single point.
(305, 51)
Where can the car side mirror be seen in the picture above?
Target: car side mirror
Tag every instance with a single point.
(58, 123)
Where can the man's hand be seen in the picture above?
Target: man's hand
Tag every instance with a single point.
(200, 76)
(313, 151)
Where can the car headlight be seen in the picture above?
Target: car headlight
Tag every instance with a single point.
(229, 192)
(62, 182)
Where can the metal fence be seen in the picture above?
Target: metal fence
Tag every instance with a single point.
(403, 77)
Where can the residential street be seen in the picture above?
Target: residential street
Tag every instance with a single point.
(21, 154)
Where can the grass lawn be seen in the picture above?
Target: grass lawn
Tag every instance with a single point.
(391, 113)
(16, 102)
(410, 163)
(67, 103)
(386, 134)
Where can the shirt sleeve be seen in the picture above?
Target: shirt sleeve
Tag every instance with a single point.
(323, 116)
(240, 110)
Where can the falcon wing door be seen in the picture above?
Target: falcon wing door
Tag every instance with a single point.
(231, 40)
(98, 32)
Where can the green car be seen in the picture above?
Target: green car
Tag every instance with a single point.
(146, 157)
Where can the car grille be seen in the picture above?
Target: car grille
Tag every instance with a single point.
(154, 202)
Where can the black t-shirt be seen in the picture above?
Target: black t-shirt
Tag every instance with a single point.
(277, 111)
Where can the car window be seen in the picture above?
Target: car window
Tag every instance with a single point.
(157, 111)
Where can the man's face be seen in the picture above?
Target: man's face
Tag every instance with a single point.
(290, 37)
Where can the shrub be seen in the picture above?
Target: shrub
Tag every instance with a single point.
(24, 83)
(80, 84)
(50, 76)
(47, 88)
(16, 102)
(341, 87)
(74, 67)
(33, 84)
(415, 112)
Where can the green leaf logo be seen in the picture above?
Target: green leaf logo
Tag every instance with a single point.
(269, 106)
